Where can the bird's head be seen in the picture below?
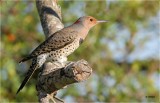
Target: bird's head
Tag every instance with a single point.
(89, 21)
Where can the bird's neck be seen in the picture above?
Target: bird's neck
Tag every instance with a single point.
(82, 30)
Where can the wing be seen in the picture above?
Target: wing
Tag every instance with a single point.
(56, 41)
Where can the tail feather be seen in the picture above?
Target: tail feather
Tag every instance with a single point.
(25, 59)
(28, 76)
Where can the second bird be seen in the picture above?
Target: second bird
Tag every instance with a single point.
(59, 45)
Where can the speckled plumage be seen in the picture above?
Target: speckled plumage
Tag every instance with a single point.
(59, 45)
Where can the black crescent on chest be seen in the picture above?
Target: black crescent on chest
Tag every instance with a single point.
(80, 41)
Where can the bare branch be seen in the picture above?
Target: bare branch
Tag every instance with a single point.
(57, 76)
(50, 16)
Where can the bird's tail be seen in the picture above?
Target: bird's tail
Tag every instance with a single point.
(26, 58)
(30, 72)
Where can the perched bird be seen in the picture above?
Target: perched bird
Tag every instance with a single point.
(59, 45)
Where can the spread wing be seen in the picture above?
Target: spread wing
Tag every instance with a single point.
(56, 41)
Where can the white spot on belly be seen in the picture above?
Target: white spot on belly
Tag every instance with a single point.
(62, 59)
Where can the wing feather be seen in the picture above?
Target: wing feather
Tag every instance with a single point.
(56, 41)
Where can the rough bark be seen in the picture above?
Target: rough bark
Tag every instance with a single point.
(50, 16)
(55, 76)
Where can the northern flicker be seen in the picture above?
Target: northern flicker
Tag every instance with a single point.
(59, 45)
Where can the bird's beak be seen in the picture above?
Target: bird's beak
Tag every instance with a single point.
(102, 21)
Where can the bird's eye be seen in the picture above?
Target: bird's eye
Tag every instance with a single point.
(91, 20)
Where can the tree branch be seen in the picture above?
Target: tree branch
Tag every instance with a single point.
(55, 76)
(50, 16)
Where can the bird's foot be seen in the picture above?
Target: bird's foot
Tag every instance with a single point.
(68, 63)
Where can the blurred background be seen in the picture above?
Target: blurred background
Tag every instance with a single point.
(124, 53)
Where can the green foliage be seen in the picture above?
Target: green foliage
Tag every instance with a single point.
(113, 80)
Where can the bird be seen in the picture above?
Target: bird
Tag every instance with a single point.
(59, 45)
